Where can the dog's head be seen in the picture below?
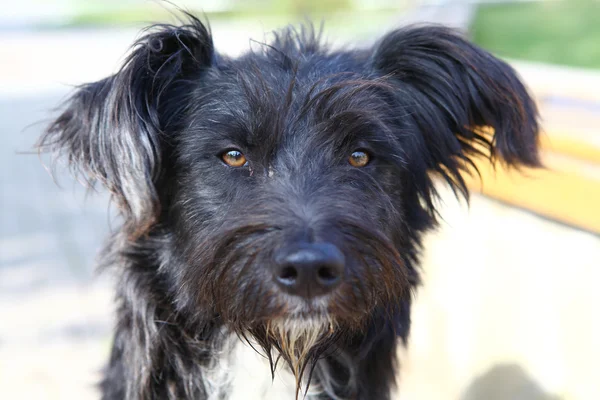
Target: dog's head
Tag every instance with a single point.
(290, 187)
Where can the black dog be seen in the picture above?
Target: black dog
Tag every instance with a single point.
(277, 200)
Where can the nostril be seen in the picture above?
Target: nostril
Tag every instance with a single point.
(327, 275)
(288, 275)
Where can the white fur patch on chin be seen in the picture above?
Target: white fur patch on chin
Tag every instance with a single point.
(249, 373)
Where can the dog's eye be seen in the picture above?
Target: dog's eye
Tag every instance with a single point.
(234, 158)
(359, 159)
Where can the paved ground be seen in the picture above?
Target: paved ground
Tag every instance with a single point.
(507, 311)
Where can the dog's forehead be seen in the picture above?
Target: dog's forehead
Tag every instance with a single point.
(266, 104)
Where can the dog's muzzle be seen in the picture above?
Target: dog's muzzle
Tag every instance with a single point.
(309, 269)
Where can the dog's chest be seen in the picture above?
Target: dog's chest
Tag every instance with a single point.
(240, 373)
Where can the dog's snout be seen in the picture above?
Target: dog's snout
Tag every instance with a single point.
(309, 270)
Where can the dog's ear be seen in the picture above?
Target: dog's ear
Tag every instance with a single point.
(455, 92)
(112, 130)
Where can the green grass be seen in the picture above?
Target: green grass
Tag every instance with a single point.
(563, 32)
(140, 16)
(133, 13)
(340, 19)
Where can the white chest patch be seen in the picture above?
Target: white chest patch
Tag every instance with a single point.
(252, 377)
(240, 373)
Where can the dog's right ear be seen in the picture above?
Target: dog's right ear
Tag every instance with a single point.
(111, 130)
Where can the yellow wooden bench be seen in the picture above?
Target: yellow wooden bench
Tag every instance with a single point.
(567, 190)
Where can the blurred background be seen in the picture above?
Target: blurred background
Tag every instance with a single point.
(510, 303)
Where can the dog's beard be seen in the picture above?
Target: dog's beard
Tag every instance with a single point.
(297, 341)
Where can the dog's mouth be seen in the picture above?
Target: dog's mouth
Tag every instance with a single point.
(298, 308)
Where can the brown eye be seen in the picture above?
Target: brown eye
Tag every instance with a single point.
(234, 158)
(359, 159)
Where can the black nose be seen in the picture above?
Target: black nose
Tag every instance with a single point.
(310, 269)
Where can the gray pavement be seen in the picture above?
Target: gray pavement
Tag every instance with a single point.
(57, 227)
(53, 308)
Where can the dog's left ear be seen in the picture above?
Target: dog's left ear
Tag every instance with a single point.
(455, 91)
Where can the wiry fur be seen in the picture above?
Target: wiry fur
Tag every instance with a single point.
(193, 257)
(296, 340)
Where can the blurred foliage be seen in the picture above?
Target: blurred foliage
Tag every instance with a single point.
(140, 13)
(561, 32)
(342, 18)
(294, 7)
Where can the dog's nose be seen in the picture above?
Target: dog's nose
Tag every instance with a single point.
(309, 270)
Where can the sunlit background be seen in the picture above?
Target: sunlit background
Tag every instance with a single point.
(510, 307)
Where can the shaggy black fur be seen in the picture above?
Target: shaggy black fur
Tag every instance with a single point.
(194, 254)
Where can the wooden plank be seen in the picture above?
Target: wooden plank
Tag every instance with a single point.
(567, 190)
(575, 146)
